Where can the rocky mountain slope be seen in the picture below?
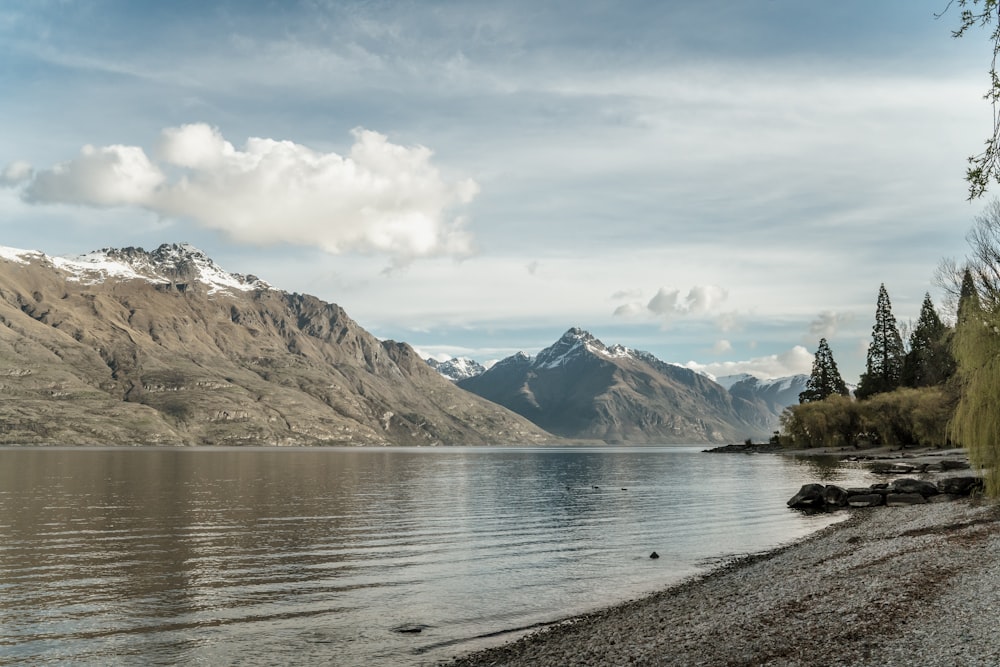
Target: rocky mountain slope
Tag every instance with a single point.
(580, 388)
(124, 346)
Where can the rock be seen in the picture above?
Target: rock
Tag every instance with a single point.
(654, 555)
(834, 496)
(900, 499)
(954, 464)
(909, 485)
(865, 500)
(810, 496)
(410, 628)
(960, 486)
(886, 468)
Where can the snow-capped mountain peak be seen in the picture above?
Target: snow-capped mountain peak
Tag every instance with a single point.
(170, 263)
(458, 368)
(574, 343)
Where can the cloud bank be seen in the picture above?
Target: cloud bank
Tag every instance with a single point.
(795, 361)
(381, 197)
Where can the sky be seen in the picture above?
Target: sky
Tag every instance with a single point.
(721, 184)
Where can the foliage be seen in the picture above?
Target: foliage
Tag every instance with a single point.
(885, 354)
(907, 417)
(984, 167)
(929, 361)
(832, 422)
(910, 417)
(824, 380)
(976, 424)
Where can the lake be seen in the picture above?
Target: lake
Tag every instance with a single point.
(147, 556)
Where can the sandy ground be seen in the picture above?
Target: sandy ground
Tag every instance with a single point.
(917, 585)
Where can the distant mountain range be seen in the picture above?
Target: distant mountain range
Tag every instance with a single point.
(125, 346)
(776, 394)
(580, 388)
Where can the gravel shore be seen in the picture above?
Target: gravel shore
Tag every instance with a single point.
(917, 585)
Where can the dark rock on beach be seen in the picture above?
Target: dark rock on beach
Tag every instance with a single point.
(834, 496)
(865, 500)
(909, 485)
(810, 496)
(901, 499)
(960, 486)
(903, 491)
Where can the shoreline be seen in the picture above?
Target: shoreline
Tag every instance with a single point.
(918, 584)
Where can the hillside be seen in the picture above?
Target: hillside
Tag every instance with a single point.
(124, 346)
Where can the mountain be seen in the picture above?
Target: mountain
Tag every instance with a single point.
(125, 346)
(458, 368)
(776, 394)
(580, 388)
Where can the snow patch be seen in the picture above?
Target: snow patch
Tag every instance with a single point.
(19, 256)
(167, 264)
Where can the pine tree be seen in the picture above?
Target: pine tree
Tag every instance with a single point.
(825, 379)
(929, 361)
(968, 296)
(885, 354)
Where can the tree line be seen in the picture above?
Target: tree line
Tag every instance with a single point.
(940, 388)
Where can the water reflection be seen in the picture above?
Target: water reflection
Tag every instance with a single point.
(827, 468)
(274, 556)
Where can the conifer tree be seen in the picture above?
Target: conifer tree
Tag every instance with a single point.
(825, 379)
(885, 354)
(968, 297)
(929, 361)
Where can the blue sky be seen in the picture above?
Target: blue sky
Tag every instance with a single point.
(718, 183)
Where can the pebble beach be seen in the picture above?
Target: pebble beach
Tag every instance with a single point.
(916, 585)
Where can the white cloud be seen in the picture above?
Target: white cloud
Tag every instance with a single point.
(382, 197)
(668, 303)
(196, 146)
(702, 299)
(665, 302)
(631, 309)
(795, 361)
(106, 176)
(722, 346)
(15, 173)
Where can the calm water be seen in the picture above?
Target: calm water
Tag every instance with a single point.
(321, 556)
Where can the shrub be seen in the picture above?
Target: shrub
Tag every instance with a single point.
(901, 418)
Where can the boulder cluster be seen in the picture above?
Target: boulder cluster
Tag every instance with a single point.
(904, 491)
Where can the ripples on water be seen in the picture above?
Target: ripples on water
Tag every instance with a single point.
(255, 556)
